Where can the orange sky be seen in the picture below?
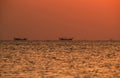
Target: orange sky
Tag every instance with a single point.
(50, 19)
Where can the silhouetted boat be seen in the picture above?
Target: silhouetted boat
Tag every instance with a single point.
(20, 39)
(65, 38)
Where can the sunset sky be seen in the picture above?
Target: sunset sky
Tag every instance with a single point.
(50, 19)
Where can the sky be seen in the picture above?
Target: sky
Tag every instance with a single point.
(50, 19)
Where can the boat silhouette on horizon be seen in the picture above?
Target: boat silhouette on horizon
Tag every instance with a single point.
(18, 39)
(63, 38)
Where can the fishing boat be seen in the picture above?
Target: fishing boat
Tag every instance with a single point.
(18, 39)
(62, 38)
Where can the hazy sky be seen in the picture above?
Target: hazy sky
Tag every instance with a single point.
(50, 19)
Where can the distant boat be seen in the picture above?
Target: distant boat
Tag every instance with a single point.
(20, 39)
(65, 38)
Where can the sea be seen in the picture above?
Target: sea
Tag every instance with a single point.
(59, 45)
(60, 59)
